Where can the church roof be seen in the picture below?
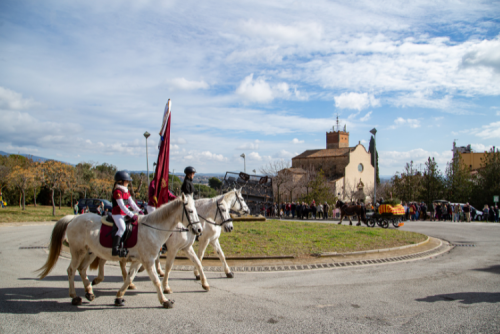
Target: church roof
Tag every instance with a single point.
(325, 153)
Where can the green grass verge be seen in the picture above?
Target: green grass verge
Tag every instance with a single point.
(41, 213)
(302, 239)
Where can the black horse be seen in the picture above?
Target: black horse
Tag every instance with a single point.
(351, 210)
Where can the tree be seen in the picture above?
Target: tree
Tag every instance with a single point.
(273, 169)
(37, 179)
(320, 191)
(407, 185)
(488, 180)
(374, 161)
(21, 178)
(215, 183)
(432, 182)
(458, 181)
(55, 173)
(84, 174)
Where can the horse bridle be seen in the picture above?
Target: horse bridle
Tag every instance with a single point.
(217, 211)
(183, 229)
(239, 202)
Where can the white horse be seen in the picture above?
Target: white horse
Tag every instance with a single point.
(83, 232)
(218, 208)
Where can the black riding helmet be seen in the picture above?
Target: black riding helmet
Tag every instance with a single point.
(122, 176)
(189, 170)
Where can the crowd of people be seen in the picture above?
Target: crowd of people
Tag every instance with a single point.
(438, 211)
(301, 210)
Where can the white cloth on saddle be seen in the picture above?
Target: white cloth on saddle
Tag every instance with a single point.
(120, 223)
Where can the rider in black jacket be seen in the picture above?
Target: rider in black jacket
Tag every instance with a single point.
(187, 186)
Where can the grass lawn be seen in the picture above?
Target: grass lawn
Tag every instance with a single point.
(13, 214)
(302, 239)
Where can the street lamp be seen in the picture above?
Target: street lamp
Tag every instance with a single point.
(374, 133)
(254, 171)
(244, 162)
(146, 135)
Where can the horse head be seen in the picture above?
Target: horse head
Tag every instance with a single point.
(189, 210)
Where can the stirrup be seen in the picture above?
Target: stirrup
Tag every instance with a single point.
(123, 252)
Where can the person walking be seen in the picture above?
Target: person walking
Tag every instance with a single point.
(467, 212)
(432, 212)
(75, 208)
(486, 213)
(326, 209)
(293, 207)
(1, 199)
(456, 212)
(496, 214)
(320, 211)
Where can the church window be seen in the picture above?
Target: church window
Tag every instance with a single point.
(360, 167)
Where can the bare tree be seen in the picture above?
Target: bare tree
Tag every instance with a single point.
(273, 170)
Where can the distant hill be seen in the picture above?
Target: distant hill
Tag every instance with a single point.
(34, 157)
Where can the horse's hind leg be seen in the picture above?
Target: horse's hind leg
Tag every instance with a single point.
(168, 266)
(222, 258)
(76, 258)
(350, 221)
(158, 266)
(150, 267)
(100, 273)
(134, 267)
(341, 218)
(82, 269)
(123, 267)
(192, 256)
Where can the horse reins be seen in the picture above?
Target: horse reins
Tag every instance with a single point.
(183, 229)
(217, 211)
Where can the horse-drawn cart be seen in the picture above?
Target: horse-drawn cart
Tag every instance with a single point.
(386, 214)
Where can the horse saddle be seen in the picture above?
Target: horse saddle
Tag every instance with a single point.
(109, 229)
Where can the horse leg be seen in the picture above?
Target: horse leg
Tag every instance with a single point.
(222, 258)
(100, 273)
(119, 301)
(350, 220)
(341, 218)
(168, 266)
(192, 256)
(158, 266)
(359, 221)
(202, 246)
(150, 267)
(76, 259)
(82, 270)
(123, 267)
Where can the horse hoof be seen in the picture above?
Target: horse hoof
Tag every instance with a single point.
(141, 269)
(206, 287)
(198, 277)
(90, 296)
(168, 291)
(76, 301)
(358, 224)
(161, 274)
(230, 275)
(119, 302)
(95, 282)
(350, 224)
(169, 304)
(132, 286)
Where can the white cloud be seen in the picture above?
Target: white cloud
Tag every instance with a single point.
(398, 159)
(260, 91)
(366, 117)
(284, 155)
(412, 123)
(249, 146)
(12, 100)
(184, 84)
(254, 156)
(480, 147)
(291, 34)
(489, 131)
(180, 141)
(296, 141)
(355, 101)
(212, 156)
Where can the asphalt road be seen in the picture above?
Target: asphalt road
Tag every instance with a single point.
(458, 292)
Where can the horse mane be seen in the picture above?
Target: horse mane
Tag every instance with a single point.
(164, 211)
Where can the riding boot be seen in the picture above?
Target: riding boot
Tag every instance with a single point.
(123, 250)
(116, 245)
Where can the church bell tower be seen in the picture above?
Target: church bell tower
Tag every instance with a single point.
(337, 139)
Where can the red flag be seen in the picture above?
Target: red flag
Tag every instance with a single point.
(161, 175)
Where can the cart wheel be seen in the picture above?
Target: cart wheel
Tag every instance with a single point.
(395, 222)
(380, 222)
(370, 223)
(385, 224)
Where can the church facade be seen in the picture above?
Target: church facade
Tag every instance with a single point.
(348, 169)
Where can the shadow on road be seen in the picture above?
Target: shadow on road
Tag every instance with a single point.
(42, 300)
(491, 269)
(464, 297)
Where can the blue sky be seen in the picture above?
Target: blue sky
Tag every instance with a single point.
(83, 80)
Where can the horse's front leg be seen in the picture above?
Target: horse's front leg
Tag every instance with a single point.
(202, 246)
(222, 258)
(134, 267)
(359, 221)
(123, 267)
(168, 267)
(350, 220)
(150, 267)
(82, 269)
(192, 256)
(158, 266)
(341, 218)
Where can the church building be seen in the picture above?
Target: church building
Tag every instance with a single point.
(348, 169)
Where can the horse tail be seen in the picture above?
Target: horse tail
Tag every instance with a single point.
(95, 264)
(58, 234)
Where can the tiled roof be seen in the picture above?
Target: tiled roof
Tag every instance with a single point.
(324, 153)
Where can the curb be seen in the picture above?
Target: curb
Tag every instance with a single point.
(373, 250)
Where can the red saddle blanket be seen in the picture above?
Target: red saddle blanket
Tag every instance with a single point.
(106, 237)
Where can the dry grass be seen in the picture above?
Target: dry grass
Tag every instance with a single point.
(14, 214)
(300, 239)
